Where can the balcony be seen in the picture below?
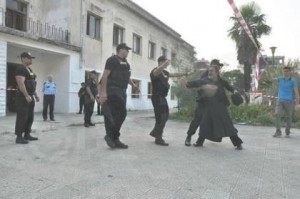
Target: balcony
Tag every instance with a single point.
(17, 24)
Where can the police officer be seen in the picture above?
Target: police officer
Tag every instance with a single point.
(49, 90)
(89, 98)
(114, 82)
(160, 88)
(81, 94)
(26, 83)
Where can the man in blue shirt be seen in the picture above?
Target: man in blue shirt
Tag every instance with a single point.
(287, 94)
(49, 90)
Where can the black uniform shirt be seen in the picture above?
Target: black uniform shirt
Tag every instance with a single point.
(92, 84)
(81, 92)
(30, 83)
(160, 83)
(120, 72)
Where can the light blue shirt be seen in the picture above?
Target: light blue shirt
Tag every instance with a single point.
(286, 88)
(49, 88)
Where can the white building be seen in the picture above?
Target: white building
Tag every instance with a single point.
(71, 37)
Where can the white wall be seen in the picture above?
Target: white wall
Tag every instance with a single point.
(3, 52)
(66, 66)
(77, 75)
(62, 63)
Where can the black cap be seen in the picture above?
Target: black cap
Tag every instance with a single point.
(162, 59)
(123, 46)
(93, 71)
(216, 62)
(27, 55)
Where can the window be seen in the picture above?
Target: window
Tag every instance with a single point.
(151, 50)
(163, 52)
(173, 59)
(118, 35)
(149, 89)
(134, 93)
(137, 43)
(93, 26)
(16, 15)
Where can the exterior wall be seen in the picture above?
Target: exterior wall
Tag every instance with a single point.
(68, 64)
(3, 49)
(114, 12)
(2, 12)
(50, 60)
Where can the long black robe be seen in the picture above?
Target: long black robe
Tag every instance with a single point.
(215, 122)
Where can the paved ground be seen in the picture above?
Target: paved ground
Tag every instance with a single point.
(71, 161)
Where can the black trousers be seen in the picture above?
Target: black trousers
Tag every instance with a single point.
(81, 103)
(117, 106)
(99, 112)
(235, 139)
(88, 112)
(161, 112)
(25, 115)
(49, 100)
(195, 123)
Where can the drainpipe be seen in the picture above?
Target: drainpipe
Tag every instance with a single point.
(81, 64)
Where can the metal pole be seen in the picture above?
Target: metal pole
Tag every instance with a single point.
(273, 48)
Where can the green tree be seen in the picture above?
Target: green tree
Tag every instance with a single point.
(235, 78)
(246, 50)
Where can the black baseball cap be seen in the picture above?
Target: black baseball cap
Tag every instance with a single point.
(162, 59)
(27, 55)
(123, 46)
(93, 71)
(216, 62)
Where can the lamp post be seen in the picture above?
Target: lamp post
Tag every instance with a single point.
(273, 48)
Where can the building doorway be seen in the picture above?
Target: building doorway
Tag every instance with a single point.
(11, 86)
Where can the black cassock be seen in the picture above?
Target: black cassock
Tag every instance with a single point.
(216, 122)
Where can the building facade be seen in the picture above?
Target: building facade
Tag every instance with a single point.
(72, 37)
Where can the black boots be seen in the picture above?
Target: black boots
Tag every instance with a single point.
(21, 140)
(27, 137)
(161, 142)
(188, 141)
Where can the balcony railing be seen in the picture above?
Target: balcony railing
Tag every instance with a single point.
(35, 28)
(48, 31)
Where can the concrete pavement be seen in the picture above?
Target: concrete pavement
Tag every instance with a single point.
(71, 161)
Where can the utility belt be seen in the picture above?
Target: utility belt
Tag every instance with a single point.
(19, 93)
(115, 89)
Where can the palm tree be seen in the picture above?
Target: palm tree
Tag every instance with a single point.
(246, 50)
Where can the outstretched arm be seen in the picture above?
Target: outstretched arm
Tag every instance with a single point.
(178, 74)
(161, 67)
(269, 74)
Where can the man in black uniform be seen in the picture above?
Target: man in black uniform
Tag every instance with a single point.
(160, 88)
(26, 83)
(114, 82)
(81, 94)
(89, 98)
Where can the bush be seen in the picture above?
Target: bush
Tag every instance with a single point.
(183, 114)
(252, 114)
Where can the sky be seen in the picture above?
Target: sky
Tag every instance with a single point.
(204, 25)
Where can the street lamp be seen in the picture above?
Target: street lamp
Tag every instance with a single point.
(273, 48)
